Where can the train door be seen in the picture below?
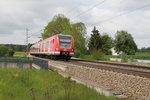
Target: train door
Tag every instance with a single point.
(39, 47)
(49, 46)
(44, 47)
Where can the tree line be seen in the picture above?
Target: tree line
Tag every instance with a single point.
(97, 43)
(4, 51)
(19, 48)
(143, 49)
(123, 41)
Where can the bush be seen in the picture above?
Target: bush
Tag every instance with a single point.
(76, 53)
(10, 52)
(109, 52)
(132, 59)
(124, 57)
(3, 50)
(97, 55)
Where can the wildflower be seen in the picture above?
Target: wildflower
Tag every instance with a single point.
(16, 75)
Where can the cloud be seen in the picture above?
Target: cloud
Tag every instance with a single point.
(17, 15)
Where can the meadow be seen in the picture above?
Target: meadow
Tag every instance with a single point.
(19, 54)
(25, 84)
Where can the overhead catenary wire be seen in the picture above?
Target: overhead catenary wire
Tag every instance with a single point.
(68, 12)
(90, 8)
(35, 34)
(121, 14)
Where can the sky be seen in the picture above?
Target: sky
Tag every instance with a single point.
(107, 15)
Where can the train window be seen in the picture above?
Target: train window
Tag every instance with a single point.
(65, 42)
(47, 44)
(44, 45)
(41, 45)
(50, 43)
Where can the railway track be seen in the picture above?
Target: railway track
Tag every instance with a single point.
(115, 64)
(108, 67)
(142, 71)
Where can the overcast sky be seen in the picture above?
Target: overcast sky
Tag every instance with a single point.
(107, 15)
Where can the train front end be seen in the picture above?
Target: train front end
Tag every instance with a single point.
(66, 46)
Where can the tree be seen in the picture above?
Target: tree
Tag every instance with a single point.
(124, 42)
(19, 48)
(107, 43)
(61, 24)
(10, 52)
(95, 40)
(3, 50)
(11, 46)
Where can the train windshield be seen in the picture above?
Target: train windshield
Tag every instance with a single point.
(65, 42)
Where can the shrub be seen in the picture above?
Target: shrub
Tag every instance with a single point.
(109, 52)
(97, 54)
(124, 57)
(132, 59)
(3, 50)
(10, 52)
(76, 53)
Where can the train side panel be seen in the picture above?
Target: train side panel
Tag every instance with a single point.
(54, 46)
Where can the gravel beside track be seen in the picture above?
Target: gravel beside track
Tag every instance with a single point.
(134, 87)
(114, 69)
(112, 63)
(134, 84)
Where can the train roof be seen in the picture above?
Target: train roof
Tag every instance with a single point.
(59, 34)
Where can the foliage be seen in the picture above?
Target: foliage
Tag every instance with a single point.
(11, 46)
(11, 52)
(16, 47)
(124, 57)
(142, 54)
(131, 59)
(61, 24)
(107, 44)
(95, 40)
(25, 84)
(28, 47)
(97, 54)
(19, 54)
(124, 42)
(144, 49)
(58, 24)
(3, 50)
(19, 48)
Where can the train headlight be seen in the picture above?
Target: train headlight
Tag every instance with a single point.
(57, 48)
(71, 49)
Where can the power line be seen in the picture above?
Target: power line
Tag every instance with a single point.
(71, 10)
(121, 14)
(27, 38)
(90, 8)
(34, 34)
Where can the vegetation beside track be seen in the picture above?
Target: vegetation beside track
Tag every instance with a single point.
(25, 84)
(142, 54)
(99, 56)
(19, 54)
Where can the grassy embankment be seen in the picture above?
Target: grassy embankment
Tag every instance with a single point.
(96, 56)
(142, 54)
(25, 84)
(19, 54)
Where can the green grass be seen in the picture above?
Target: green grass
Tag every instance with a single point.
(105, 57)
(138, 55)
(142, 54)
(19, 54)
(25, 84)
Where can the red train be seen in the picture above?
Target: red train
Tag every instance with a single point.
(57, 46)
